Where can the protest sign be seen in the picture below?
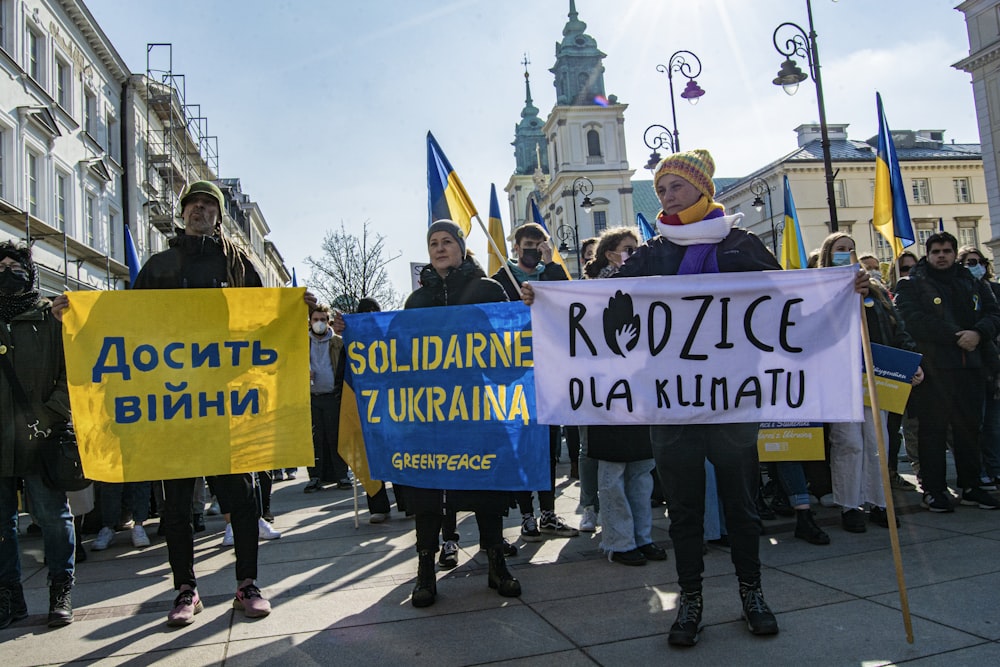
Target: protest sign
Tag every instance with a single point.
(695, 349)
(446, 397)
(168, 384)
(894, 369)
(790, 441)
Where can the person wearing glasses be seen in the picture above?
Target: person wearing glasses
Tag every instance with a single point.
(973, 259)
(907, 435)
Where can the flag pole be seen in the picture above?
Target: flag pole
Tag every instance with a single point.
(890, 507)
(493, 244)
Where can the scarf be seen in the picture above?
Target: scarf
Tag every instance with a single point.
(700, 228)
(12, 305)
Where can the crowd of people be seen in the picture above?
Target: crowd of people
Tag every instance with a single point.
(943, 306)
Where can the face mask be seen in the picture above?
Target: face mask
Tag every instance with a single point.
(624, 256)
(978, 271)
(875, 274)
(531, 256)
(841, 259)
(319, 327)
(12, 283)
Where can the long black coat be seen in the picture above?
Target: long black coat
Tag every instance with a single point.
(34, 345)
(464, 285)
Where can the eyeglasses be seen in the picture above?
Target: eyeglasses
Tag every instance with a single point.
(628, 250)
(905, 269)
(16, 270)
(972, 261)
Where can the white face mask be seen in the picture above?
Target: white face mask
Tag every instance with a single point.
(319, 327)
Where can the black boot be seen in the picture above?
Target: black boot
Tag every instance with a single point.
(759, 617)
(500, 577)
(12, 605)
(60, 603)
(684, 631)
(806, 528)
(426, 589)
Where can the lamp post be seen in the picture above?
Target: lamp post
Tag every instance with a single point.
(803, 44)
(759, 186)
(660, 138)
(566, 233)
(584, 186)
(692, 92)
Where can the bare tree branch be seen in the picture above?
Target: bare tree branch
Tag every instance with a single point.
(351, 268)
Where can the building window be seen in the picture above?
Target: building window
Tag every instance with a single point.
(840, 194)
(112, 233)
(921, 191)
(3, 152)
(62, 192)
(33, 182)
(90, 114)
(35, 59)
(112, 138)
(967, 235)
(600, 221)
(871, 187)
(593, 143)
(924, 231)
(963, 195)
(91, 219)
(882, 248)
(64, 95)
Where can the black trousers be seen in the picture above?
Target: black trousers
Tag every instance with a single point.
(429, 524)
(950, 397)
(329, 466)
(237, 498)
(680, 453)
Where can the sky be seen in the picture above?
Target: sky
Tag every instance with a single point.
(322, 106)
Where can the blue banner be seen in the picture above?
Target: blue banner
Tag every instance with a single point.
(447, 397)
(894, 370)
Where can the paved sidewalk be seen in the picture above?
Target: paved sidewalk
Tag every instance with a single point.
(341, 595)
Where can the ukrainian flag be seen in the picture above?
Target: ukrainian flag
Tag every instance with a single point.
(446, 196)
(496, 233)
(536, 216)
(645, 228)
(890, 217)
(793, 251)
(131, 256)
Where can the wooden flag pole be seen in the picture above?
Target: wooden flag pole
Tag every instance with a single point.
(493, 245)
(890, 507)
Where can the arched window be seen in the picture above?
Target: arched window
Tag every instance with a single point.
(593, 143)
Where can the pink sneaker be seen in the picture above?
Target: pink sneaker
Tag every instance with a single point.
(249, 599)
(186, 605)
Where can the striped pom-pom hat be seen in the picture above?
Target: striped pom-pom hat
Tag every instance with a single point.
(696, 167)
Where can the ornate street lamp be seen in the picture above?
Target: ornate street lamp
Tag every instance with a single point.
(759, 186)
(660, 138)
(581, 185)
(692, 92)
(803, 44)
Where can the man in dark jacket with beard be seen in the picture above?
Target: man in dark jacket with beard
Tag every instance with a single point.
(31, 348)
(954, 318)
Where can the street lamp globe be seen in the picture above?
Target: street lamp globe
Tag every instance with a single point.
(789, 77)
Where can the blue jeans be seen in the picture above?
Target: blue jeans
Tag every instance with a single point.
(680, 453)
(793, 480)
(626, 518)
(51, 512)
(588, 475)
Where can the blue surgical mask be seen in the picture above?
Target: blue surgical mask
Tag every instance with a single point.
(841, 259)
(977, 271)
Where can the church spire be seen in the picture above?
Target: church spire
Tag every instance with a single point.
(579, 72)
(528, 134)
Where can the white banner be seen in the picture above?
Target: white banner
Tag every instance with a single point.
(774, 346)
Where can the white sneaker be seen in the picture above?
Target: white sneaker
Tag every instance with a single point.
(588, 524)
(377, 517)
(103, 539)
(827, 500)
(139, 537)
(266, 531)
(227, 538)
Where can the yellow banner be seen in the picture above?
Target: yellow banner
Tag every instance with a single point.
(791, 442)
(167, 384)
(892, 394)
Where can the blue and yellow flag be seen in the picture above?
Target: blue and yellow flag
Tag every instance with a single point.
(536, 216)
(496, 233)
(890, 217)
(793, 250)
(131, 256)
(446, 196)
(645, 229)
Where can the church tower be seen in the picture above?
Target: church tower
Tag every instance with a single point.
(584, 146)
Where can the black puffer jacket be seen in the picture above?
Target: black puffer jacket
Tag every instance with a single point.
(739, 251)
(33, 342)
(937, 304)
(191, 261)
(552, 271)
(464, 285)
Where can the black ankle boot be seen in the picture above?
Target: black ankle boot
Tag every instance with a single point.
(60, 603)
(500, 577)
(806, 528)
(425, 591)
